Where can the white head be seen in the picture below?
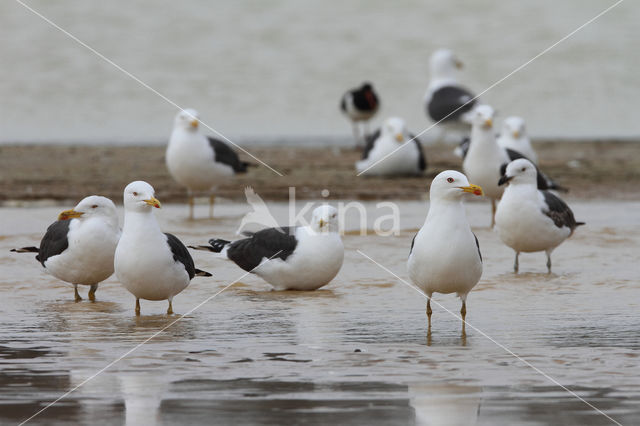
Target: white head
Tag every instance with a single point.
(325, 219)
(513, 127)
(90, 207)
(187, 119)
(520, 171)
(396, 128)
(139, 196)
(452, 185)
(444, 64)
(483, 117)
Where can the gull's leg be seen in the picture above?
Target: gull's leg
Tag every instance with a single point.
(191, 203)
(493, 212)
(548, 261)
(92, 292)
(429, 312)
(516, 264)
(463, 314)
(170, 309)
(75, 291)
(137, 307)
(212, 199)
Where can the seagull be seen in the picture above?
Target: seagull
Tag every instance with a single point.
(360, 104)
(199, 162)
(485, 161)
(447, 102)
(78, 248)
(514, 136)
(445, 254)
(386, 154)
(150, 264)
(291, 257)
(528, 219)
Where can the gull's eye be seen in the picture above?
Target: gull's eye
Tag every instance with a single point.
(523, 169)
(333, 216)
(450, 180)
(135, 194)
(95, 206)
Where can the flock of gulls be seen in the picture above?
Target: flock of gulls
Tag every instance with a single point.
(86, 245)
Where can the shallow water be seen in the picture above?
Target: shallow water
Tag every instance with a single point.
(261, 71)
(354, 352)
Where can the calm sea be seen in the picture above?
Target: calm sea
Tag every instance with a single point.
(268, 72)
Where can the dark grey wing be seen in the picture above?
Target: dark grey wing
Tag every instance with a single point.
(422, 160)
(559, 211)
(478, 245)
(181, 254)
(55, 240)
(370, 143)
(544, 182)
(269, 243)
(448, 99)
(226, 155)
(464, 148)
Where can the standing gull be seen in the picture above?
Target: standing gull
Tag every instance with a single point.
(514, 137)
(485, 161)
(528, 219)
(151, 264)
(387, 152)
(360, 105)
(445, 254)
(199, 162)
(447, 102)
(292, 257)
(80, 246)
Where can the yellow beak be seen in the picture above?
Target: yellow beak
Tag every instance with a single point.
(488, 123)
(516, 134)
(153, 202)
(69, 214)
(194, 123)
(322, 223)
(472, 189)
(399, 137)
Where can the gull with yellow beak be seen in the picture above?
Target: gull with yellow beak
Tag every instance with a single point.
(392, 151)
(79, 247)
(198, 162)
(151, 264)
(445, 254)
(291, 257)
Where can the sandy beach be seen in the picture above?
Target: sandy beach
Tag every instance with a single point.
(591, 170)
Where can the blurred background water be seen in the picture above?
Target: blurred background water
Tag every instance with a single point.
(268, 72)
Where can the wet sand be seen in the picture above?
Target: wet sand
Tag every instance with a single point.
(597, 169)
(354, 352)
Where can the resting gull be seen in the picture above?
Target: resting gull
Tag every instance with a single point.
(528, 219)
(150, 264)
(199, 162)
(79, 247)
(514, 137)
(289, 258)
(447, 102)
(360, 105)
(445, 254)
(387, 152)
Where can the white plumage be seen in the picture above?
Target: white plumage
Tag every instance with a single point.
(150, 264)
(79, 247)
(445, 256)
(379, 158)
(514, 136)
(528, 219)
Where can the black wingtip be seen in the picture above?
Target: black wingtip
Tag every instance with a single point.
(580, 223)
(203, 248)
(26, 250)
(201, 273)
(217, 244)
